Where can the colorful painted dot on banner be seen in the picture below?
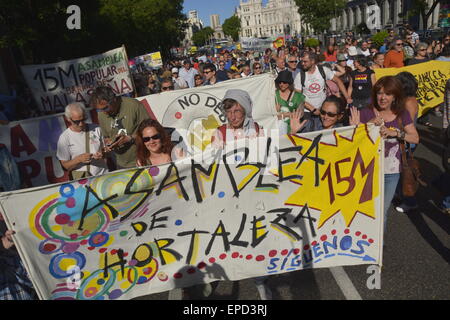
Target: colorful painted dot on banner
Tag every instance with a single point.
(49, 247)
(70, 202)
(70, 247)
(296, 251)
(212, 260)
(115, 294)
(323, 238)
(346, 231)
(241, 256)
(284, 252)
(235, 255)
(142, 279)
(113, 251)
(371, 241)
(357, 233)
(90, 292)
(314, 243)
(221, 194)
(178, 115)
(364, 236)
(238, 158)
(84, 242)
(249, 257)
(333, 232)
(62, 219)
(272, 253)
(91, 248)
(73, 236)
(162, 276)
(125, 254)
(201, 265)
(178, 275)
(260, 258)
(132, 262)
(123, 233)
(306, 247)
(102, 250)
(98, 239)
(223, 256)
(67, 190)
(100, 281)
(178, 222)
(154, 171)
(83, 181)
(148, 271)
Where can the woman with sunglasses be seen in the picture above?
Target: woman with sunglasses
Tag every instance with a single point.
(257, 68)
(154, 146)
(330, 116)
(395, 57)
(396, 126)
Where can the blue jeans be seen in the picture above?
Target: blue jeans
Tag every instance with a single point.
(390, 184)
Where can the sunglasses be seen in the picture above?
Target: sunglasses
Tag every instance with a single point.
(293, 61)
(155, 137)
(399, 44)
(330, 114)
(207, 72)
(77, 122)
(256, 68)
(167, 88)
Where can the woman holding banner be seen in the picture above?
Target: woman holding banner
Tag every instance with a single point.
(396, 126)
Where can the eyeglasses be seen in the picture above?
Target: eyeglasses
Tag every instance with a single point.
(399, 44)
(77, 122)
(207, 72)
(293, 61)
(167, 88)
(155, 137)
(237, 112)
(330, 114)
(256, 68)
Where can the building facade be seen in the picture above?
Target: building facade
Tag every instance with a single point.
(194, 24)
(214, 20)
(392, 13)
(276, 18)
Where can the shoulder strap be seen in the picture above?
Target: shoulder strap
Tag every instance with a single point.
(88, 147)
(402, 143)
(322, 73)
(302, 77)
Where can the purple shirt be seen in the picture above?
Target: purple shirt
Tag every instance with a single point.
(392, 151)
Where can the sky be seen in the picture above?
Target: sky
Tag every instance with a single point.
(205, 8)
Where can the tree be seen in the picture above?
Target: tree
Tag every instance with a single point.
(318, 13)
(200, 38)
(420, 7)
(231, 27)
(38, 28)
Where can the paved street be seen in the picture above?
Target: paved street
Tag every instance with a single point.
(415, 259)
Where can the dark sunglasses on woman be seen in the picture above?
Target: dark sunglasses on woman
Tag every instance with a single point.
(330, 114)
(155, 137)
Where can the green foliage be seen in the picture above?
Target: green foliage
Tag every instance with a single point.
(312, 43)
(231, 27)
(318, 13)
(39, 27)
(200, 38)
(378, 38)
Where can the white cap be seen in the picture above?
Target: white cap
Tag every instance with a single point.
(174, 70)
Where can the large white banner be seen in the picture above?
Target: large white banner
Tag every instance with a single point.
(193, 112)
(56, 85)
(260, 207)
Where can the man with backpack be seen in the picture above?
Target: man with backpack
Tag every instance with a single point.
(312, 82)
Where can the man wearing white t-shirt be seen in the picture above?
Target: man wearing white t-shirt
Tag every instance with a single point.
(75, 156)
(313, 85)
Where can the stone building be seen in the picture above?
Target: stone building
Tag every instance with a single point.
(194, 25)
(276, 18)
(393, 13)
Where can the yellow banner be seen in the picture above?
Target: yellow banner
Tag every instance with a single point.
(431, 77)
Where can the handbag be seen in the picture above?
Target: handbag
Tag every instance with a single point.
(410, 174)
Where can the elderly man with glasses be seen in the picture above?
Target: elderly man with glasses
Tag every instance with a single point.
(292, 64)
(80, 145)
(395, 57)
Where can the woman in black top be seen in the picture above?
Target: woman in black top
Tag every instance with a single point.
(361, 81)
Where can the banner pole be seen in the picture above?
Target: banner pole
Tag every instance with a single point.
(129, 71)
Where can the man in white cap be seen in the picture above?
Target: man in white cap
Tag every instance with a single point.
(178, 82)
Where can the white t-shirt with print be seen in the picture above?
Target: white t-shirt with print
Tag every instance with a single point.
(315, 86)
(71, 144)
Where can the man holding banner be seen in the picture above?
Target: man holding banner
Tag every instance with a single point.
(119, 118)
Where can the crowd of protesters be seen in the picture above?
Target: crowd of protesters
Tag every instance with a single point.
(315, 90)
